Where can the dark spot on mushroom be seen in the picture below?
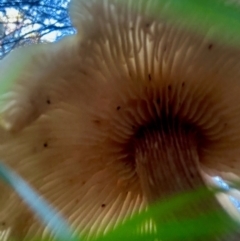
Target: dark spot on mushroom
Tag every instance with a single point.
(84, 72)
(48, 101)
(130, 74)
(183, 84)
(98, 122)
(45, 144)
(103, 205)
(169, 87)
(147, 25)
(118, 107)
(149, 77)
(83, 182)
(77, 200)
(210, 46)
(70, 180)
(3, 223)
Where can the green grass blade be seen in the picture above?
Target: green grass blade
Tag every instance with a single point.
(41, 208)
(205, 225)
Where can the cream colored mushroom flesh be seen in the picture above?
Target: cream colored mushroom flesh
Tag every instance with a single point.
(130, 110)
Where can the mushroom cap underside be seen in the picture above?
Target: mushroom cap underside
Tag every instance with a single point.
(73, 114)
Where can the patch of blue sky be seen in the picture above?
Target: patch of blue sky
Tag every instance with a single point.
(51, 36)
(220, 182)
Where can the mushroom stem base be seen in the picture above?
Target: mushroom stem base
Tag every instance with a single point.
(167, 161)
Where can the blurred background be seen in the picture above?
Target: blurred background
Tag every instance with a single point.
(25, 22)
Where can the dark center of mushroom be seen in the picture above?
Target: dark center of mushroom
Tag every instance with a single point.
(167, 154)
(167, 158)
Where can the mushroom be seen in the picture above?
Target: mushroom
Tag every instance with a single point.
(127, 112)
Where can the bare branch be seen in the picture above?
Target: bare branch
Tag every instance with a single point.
(30, 21)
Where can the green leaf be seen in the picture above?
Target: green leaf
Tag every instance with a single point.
(205, 225)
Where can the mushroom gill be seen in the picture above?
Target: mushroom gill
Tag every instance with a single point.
(129, 111)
